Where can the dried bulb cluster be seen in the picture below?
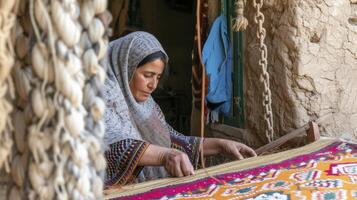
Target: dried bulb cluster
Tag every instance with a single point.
(58, 77)
(94, 43)
(21, 116)
(8, 11)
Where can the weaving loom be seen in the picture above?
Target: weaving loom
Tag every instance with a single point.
(326, 169)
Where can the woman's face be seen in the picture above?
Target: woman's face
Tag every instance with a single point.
(145, 79)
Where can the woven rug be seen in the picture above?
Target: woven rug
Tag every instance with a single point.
(326, 169)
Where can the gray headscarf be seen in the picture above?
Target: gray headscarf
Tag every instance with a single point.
(125, 117)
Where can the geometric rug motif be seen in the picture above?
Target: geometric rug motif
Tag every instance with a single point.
(333, 195)
(308, 175)
(328, 172)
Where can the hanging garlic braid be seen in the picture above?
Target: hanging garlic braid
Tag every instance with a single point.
(59, 110)
(8, 11)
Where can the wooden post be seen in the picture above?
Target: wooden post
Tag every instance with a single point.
(313, 133)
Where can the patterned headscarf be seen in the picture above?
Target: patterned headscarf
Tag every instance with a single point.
(125, 117)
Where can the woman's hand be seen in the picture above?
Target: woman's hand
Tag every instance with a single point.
(175, 162)
(214, 146)
(238, 150)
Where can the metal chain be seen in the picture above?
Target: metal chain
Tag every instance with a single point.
(263, 62)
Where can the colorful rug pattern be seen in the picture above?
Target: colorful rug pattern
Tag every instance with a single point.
(328, 173)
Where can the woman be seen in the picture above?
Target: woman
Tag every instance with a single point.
(140, 145)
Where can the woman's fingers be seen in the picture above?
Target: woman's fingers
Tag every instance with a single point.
(247, 150)
(177, 170)
(178, 164)
(186, 166)
(251, 152)
(237, 149)
(237, 154)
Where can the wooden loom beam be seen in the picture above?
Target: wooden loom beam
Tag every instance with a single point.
(311, 129)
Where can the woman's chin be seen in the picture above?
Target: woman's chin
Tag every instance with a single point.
(142, 99)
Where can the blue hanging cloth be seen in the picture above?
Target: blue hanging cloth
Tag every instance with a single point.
(217, 57)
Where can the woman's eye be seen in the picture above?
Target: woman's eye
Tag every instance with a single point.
(147, 75)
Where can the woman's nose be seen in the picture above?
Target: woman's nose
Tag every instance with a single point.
(153, 84)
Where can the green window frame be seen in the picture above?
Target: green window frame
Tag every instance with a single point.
(236, 117)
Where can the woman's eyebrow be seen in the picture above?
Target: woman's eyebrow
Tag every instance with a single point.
(153, 73)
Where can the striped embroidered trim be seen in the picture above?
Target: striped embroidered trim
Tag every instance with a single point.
(119, 173)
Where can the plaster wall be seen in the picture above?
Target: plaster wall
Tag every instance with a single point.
(312, 58)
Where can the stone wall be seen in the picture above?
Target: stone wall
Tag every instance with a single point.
(312, 56)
